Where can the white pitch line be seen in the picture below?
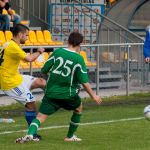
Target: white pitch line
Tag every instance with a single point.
(82, 124)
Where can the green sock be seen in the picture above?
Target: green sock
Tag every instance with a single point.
(75, 120)
(34, 127)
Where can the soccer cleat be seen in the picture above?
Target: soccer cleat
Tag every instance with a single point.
(37, 137)
(24, 139)
(74, 138)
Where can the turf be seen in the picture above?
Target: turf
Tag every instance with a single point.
(105, 135)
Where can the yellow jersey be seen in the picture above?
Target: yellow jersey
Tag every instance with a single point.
(9, 69)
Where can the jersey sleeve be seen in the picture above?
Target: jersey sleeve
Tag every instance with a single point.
(18, 53)
(48, 64)
(82, 75)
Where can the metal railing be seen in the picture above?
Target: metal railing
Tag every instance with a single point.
(125, 71)
(124, 58)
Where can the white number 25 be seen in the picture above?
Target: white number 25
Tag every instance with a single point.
(65, 65)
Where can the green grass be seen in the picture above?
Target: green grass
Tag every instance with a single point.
(118, 135)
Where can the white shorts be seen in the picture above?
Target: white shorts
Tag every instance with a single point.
(22, 93)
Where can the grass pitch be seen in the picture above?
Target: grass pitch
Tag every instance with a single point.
(118, 124)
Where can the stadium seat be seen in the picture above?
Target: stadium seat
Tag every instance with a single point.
(32, 38)
(48, 38)
(4, 12)
(24, 65)
(41, 59)
(87, 62)
(28, 43)
(2, 38)
(25, 22)
(112, 1)
(40, 37)
(8, 35)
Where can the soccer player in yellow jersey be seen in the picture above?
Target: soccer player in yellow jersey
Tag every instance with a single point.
(12, 83)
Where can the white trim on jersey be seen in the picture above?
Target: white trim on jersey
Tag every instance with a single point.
(73, 71)
(70, 50)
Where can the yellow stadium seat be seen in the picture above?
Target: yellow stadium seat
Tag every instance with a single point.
(2, 38)
(13, 11)
(28, 43)
(40, 37)
(24, 65)
(32, 38)
(41, 59)
(4, 12)
(112, 1)
(8, 35)
(25, 22)
(34, 65)
(87, 62)
(48, 38)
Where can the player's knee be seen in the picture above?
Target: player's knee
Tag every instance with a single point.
(30, 106)
(42, 82)
(39, 83)
(41, 117)
(79, 109)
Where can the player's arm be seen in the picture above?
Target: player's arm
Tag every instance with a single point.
(48, 64)
(89, 90)
(32, 57)
(82, 77)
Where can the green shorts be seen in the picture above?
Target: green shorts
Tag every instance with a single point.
(51, 105)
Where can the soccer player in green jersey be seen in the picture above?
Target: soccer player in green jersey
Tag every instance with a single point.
(66, 69)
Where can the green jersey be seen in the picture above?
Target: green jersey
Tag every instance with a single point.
(66, 70)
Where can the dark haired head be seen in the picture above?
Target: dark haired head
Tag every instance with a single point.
(75, 39)
(19, 28)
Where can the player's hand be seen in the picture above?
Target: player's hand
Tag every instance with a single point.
(97, 99)
(41, 50)
(147, 60)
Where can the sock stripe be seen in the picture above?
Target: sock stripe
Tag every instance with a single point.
(74, 123)
(34, 124)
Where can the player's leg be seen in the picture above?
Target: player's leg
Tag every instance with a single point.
(38, 83)
(36, 123)
(33, 129)
(46, 109)
(24, 96)
(30, 114)
(30, 82)
(74, 123)
(76, 105)
(30, 106)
